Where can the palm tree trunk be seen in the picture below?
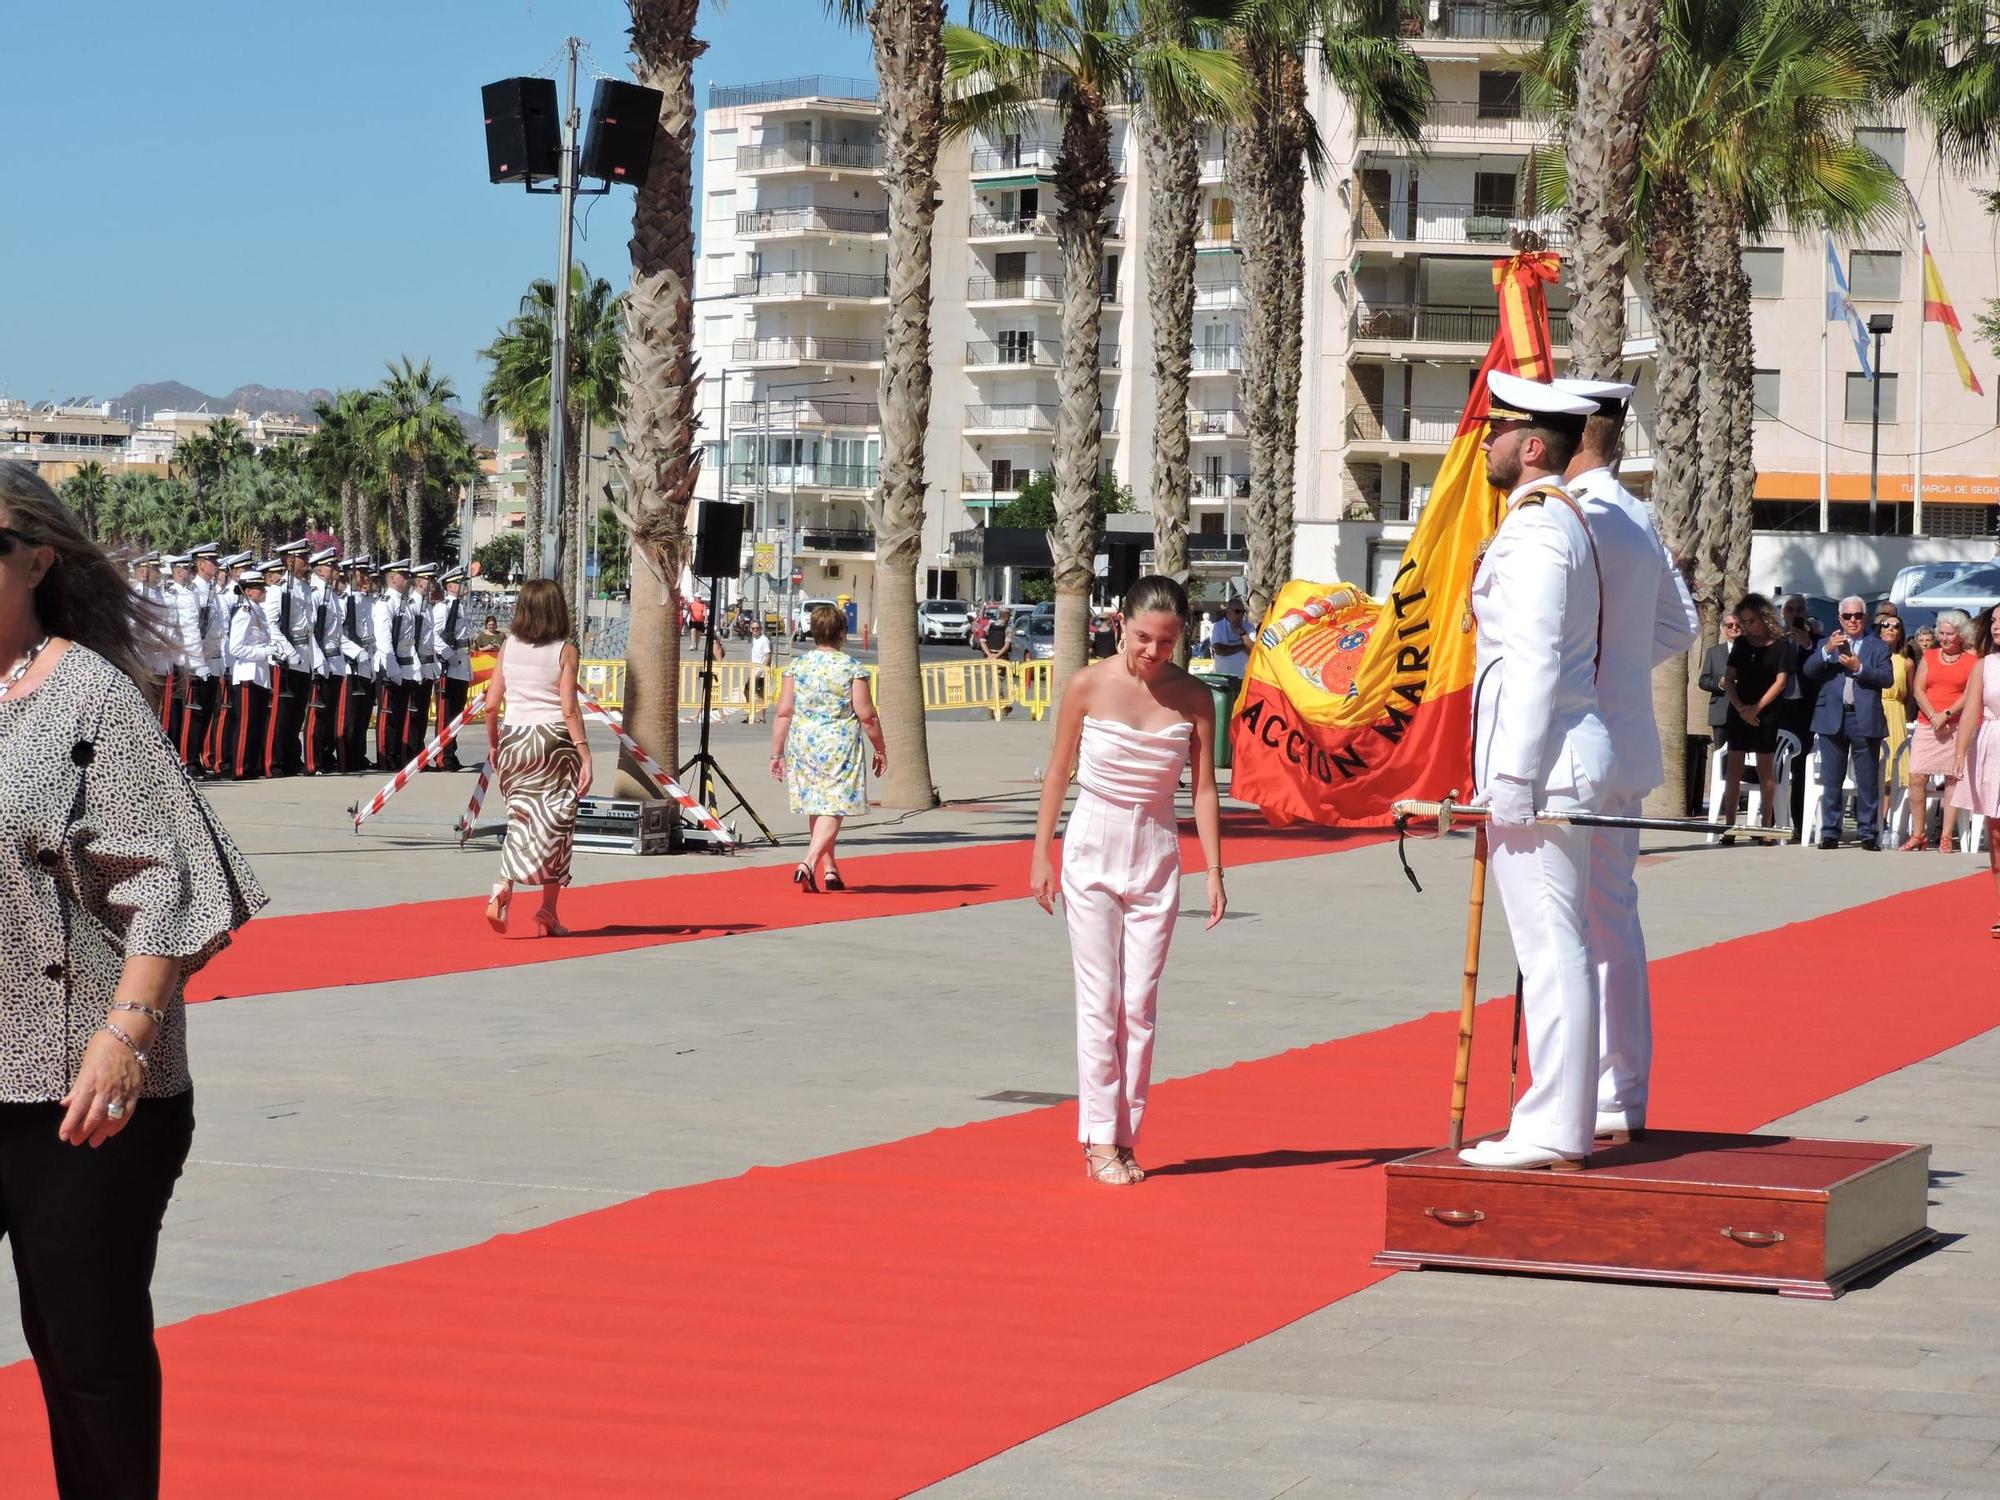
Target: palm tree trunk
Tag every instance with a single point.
(413, 510)
(1290, 210)
(1679, 314)
(1253, 170)
(1084, 184)
(1173, 162)
(1614, 76)
(662, 388)
(909, 64)
(1725, 386)
(537, 449)
(350, 517)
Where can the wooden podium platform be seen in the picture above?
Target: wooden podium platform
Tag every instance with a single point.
(1800, 1217)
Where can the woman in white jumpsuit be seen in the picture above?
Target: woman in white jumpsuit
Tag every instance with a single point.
(1127, 725)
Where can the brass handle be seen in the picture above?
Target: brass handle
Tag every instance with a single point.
(1756, 1238)
(1455, 1215)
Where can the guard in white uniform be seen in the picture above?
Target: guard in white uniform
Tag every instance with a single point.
(1540, 743)
(417, 723)
(253, 653)
(328, 664)
(357, 684)
(454, 651)
(1637, 568)
(200, 618)
(221, 742)
(396, 675)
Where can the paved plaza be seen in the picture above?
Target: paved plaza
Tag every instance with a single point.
(343, 1129)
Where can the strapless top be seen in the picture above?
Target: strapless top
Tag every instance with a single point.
(1131, 767)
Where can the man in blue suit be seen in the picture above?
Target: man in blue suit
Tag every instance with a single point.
(1851, 667)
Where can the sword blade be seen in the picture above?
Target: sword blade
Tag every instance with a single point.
(1456, 812)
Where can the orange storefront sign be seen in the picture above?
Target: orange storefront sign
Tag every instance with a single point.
(1939, 489)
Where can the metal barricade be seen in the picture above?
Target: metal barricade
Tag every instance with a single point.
(739, 687)
(986, 685)
(1032, 682)
(603, 680)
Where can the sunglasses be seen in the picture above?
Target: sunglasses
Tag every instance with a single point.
(1854, 614)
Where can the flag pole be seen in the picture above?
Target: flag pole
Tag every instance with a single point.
(1825, 303)
(1917, 448)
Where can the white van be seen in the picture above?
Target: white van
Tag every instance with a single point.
(802, 614)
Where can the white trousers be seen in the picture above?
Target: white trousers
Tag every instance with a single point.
(1617, 944)
(1121, 883)
(1543, 872)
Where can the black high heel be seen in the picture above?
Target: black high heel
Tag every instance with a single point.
(802, 877)
(831, 880)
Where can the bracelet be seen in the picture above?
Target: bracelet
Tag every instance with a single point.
(158, 1017)
(1215, 869)
(145, 1062)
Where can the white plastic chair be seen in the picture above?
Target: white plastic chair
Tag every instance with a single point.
(1751, 793)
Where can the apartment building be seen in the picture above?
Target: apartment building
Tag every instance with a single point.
(792, 294)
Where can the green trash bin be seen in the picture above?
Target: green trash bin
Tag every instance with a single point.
(1224, 688)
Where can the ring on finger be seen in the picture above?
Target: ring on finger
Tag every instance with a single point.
(115, 1109)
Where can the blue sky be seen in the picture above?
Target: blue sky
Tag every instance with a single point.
(228, 191)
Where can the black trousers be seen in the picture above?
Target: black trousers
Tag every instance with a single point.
(318, 732)
(451, 703)
(192, 717)
(288, 756)
(84, 1227)
(352, 702)
(392, 713)
(416, 718)
(244, 734)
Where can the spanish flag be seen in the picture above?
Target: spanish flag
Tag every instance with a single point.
(1350, 702)
(1938, 309)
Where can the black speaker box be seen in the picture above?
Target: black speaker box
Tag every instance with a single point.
(718, 545)
(523, 129)
(618, 145)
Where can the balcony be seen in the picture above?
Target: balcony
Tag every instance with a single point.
(1219, 487)
(1211, 236)
(803, 156)
(1213, 168)
(1480, 226)
(1218, 296)
(808, 86)
(850, 286)
(1025, 417)
(791, 414)
(1475, 21)
(1039, 354)
(811, 476)
(1026, 156)
(1225, 423)
(1212, 359)
(1456, 121)
(1048, 289)
(1401, 323)
(774, 222)
(1403, 427)
(990, 490)
(838, 542)
(987, 226)
(807, 350)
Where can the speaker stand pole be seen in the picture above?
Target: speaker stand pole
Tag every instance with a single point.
(711, 769)
(553, 496)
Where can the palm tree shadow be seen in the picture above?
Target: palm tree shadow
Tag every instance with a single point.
(663, 929)
(870, 888)
(1259, 1160)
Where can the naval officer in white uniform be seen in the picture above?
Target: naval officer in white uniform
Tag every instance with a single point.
(1638, 571)
(1540, 743)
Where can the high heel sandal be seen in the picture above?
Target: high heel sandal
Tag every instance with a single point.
(497, 904)
(1948, 846)
(831, 879)
(1132, 1168)
(1109, 1170)
(546, 920)
(802, 877)
(1915, 843)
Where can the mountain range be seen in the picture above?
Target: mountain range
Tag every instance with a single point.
(161, 395)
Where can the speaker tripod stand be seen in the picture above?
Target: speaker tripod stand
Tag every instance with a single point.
(711, 769)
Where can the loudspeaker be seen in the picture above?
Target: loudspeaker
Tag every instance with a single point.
(718, 545)
(523, 129)
(618, 145)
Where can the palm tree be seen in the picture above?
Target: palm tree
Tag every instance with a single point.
(660, 457)
(517, 393)
(1388, 89)
(909, 67)
(415, 422)
(1092, 57)
(228, 444)
(84, 492)
(340, 455)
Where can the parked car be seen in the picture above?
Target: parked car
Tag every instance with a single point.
(1038, 636)
(1925, 578)
(1971, 591)
(802, 617)
(944, 620)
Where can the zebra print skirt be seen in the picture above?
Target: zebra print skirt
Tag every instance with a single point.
(538, 765)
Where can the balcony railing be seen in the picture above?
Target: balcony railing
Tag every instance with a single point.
(1219, 487)
(782, 416)
(1217, 295)
(1219, 423)
(848, 156)
(808, 86)
(1026, 417)
(1639, 320)
(861, 284)
(1041, 354)
(1427, 223)
(1210, 359)
(807, 349)
(816, 476)
(1213, 166)
(1469, 120)
(1402, 323)
(1474, 21)
(817, 539)
(813, 219)
(1417, 424)
(1041, 226)
(1027, 156)
(1027, 289)
(1212, 236)
(985, 484)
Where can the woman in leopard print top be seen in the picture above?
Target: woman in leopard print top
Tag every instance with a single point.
(117, 882)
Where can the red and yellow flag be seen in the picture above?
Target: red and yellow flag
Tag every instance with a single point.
(1350, 702)
(1938, 309)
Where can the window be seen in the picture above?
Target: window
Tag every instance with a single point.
(1765, 266)
(1861, 398)
(722, 145)
(1017, 346)
(1499, 96)
(1493, 194)
(722, 208)
(1875, 275)
(1108, 282)
(1886, 141)
(1221, 219)
(1764, 393)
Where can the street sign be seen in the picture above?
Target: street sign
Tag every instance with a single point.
(765, 559)
(798, 577)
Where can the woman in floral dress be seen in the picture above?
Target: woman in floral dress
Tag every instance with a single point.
(824, 709)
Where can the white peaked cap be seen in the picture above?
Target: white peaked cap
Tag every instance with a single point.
(1518, 400)
(1597, 390)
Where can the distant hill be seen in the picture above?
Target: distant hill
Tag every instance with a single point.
(161, 395)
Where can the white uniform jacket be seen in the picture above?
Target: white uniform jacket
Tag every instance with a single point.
(289, 616)
(454, 648)
(162, 609)
(329, 606)
(395, 642)
(253, 646)
(357, 633)
(1536, 599)
(198, 618)
(425, 632)
(1638, 572)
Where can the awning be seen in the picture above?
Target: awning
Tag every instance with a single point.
(1020, 180)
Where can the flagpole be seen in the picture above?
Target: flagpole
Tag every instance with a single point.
(1917, 448)
(1825, 303)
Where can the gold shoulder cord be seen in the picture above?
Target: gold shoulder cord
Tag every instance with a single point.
(1535, 496)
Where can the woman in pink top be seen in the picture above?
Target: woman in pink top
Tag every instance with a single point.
(1978, 755)
(541, 753)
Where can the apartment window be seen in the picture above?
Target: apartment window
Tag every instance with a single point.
(1493, 194)
(1875, 275)
(1765, 266)
(1017, 346)
(1861, 398)
(720, 273)
(1764, 393)
(722, 145)
(722, 208)
(1499, 96)
(1886, 141)
(1221, 219)
(1108, 283)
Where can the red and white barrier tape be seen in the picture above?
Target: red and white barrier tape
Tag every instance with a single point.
(653, 769)
(431, 754)
(471, 817)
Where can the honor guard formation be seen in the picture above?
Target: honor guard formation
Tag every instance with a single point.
(279, 667)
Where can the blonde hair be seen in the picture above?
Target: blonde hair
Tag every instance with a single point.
(828, 625)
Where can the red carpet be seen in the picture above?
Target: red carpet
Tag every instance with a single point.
(870, 1322)
(380, 944)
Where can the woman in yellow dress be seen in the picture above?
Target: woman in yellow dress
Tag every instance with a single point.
(1896, 697)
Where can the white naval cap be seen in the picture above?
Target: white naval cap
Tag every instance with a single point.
(1610, 395)
(1518, 400)
(324, 555)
